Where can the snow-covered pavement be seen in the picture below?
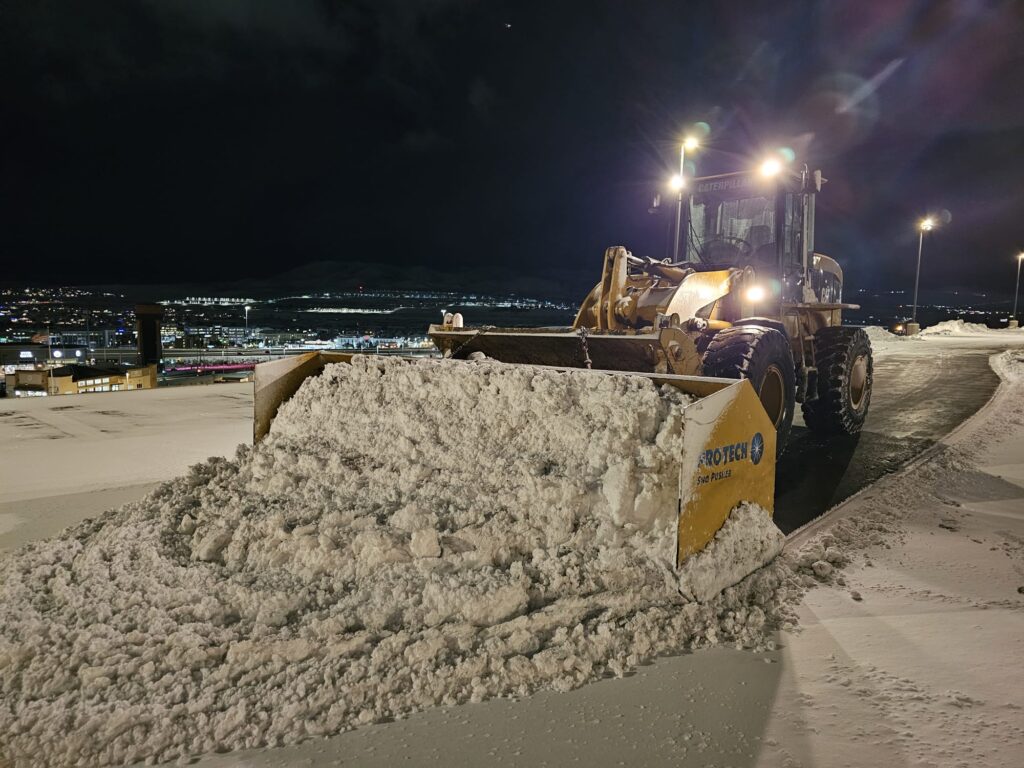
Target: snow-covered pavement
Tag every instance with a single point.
(66, 458)
(910, 655)
(919, 658)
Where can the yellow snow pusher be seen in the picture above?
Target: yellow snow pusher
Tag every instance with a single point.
(728, 441)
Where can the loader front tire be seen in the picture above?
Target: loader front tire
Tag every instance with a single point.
(845, 373)
(763, 357)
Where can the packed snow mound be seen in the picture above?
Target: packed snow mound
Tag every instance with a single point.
(747, 541)
(1009, 365)
(877, 334)
(961, 328)
(409, 535)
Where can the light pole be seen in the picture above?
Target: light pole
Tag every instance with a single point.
(1013, 318)
(247, 308)
(678, 183)
(927, 225)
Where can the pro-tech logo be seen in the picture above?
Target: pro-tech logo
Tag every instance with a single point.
(729, 453)
(718, 458)
(756, 448)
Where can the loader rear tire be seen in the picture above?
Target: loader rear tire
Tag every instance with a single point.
(845, 373)
(763, 357)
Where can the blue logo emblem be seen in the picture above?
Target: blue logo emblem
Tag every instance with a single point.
(756, 448)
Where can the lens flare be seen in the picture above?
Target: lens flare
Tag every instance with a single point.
(755, 293)
(771, 167)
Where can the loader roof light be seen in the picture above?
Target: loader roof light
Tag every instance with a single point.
(755, 293)
(927, 224)
(676, 183)
(770, 167)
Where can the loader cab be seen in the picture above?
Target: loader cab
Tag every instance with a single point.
(744, 220)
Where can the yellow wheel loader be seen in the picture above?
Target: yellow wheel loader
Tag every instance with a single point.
(746, 325)
(750, 300)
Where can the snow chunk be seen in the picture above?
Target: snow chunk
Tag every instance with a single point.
(747, 541)
(425, 543)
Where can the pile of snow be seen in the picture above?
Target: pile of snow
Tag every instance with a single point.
(409, 535)
(961, 328)
(748, 540)
(878, 335)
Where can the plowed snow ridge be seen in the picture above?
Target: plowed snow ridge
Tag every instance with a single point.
(408, 536)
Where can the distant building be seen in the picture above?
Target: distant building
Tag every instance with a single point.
(79, 379)
(29, 382)
(170, 333)
(235, 335)
(21, 355)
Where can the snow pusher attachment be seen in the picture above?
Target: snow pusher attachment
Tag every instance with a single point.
(727, 456)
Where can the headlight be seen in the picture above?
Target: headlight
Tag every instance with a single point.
(755, 293)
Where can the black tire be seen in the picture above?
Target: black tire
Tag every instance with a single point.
(763, 357)
(845, 373)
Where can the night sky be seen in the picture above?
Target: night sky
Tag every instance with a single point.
(156, 141)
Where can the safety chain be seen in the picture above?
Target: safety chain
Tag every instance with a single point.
(583, 333)
(479, 332)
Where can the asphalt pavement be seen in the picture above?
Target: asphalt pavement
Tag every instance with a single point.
(917, 399)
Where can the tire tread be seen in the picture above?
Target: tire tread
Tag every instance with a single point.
(731, 355)
(828, 412)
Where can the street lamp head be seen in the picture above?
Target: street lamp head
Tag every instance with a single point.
(677, 182)
(1020, 256)
(691, 143)
(927, 224)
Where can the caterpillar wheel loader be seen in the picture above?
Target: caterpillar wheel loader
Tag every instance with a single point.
(750, 300)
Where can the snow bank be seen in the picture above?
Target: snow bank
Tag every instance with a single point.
(961, 328)
(878, 334)
(877, 518)
(1009, 365)
(409, 535)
